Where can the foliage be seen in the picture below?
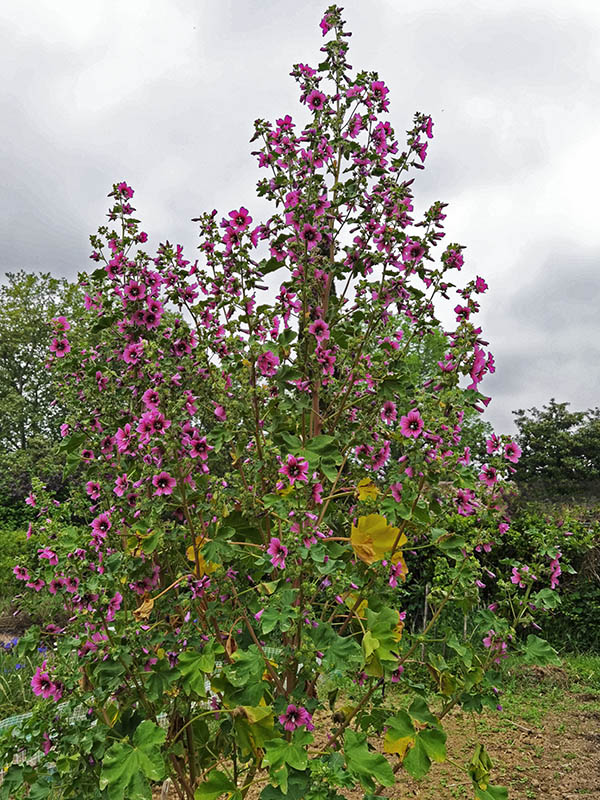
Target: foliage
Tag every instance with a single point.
(561, 450)
(31, 411)
(260, 478)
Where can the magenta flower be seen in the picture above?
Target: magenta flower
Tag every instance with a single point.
(151, 398)
(555, 570)
(412, 424)
(296, 717)
(315, 493)
(319, 329)
(267, 363)
(60, 324)
(49, 554)
(101, 525)
(21, 573)
(220, 413)
(133, 352)
(396, 491)
(493, 444)
(113, 606)
(200, 448)
(60, 347)
(316, 100)
(295, 468)
(388, 412)
(134, 291)
(278, 553)
(512, 452)
(163, 483)
(121, 485)
(240, 219)
(488, 475)
(123, 437)
(310, 235)
(413, 250)
(43, 686)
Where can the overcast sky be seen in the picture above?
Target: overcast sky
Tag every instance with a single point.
(163, 94)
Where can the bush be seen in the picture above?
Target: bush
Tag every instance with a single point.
(248, 533)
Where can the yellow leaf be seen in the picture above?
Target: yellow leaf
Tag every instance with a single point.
(350, 600)
(372, 538)
(399, 746)
(366, 490)
(203, 567)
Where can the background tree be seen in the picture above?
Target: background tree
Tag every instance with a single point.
(561, 450)
(31, 411)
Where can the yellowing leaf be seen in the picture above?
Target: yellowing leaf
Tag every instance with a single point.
(372, 538)
(398, 746)
(203, 566)
(366, 490)
(351, 599)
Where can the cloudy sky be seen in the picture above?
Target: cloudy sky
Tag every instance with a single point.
(163, 93)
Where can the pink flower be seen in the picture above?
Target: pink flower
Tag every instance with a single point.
(134, 291)
(49, 554)
(151, 398)
(310, 235)
(316, 493)
(163, 483)
(319, 329)
(412, 424)
(267, 363)
(60, 347)
(220, 413)
(101, 525)
(296, 717)
(60, 324)
(123, 437)
(133, 352)
(296, 469)
(316, 100)
(396, 491)
(43, 686)
(555, 570)
(413, 250)
(488, 475)
(388, 412)
(278, 553)
(121, 484)
(240, 219)
(21, 573)
(493, 444)
(113, 606)
(512, 452)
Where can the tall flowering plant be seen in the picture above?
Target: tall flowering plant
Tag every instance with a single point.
(267, 451)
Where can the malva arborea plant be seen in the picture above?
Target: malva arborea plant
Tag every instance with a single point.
(270, 460)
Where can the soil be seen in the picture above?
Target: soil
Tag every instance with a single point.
(557, 757)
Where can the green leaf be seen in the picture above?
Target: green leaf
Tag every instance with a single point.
(416, 761)
(491, 793)
(434, 742)
(418, 710)
(192, 666)
(126, 767)
(297, 787)
(320, 444)
(364, 764)
(217, 784)
(539, 652)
